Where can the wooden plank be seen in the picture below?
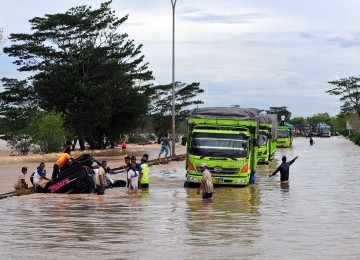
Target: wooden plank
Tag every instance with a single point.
(166, 160)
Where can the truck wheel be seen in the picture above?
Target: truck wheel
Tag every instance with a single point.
(193, 185)
(186, 184)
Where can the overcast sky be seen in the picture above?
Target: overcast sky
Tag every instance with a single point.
(252, 53)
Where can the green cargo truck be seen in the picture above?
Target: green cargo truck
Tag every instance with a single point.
(268, 130)
(225, 138)
(285, 135)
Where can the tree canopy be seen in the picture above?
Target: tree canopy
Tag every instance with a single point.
(161, 96)
(82, 67)
(349, 91)
(280, 111)
(17, 111)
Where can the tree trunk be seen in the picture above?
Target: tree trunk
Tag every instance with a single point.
(74, 144)
(82, 142)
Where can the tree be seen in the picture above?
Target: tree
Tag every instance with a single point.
(349, 91)
(86, 70)
(298, 121)
(280, 111)
(161, 97)
(47, 131)
(320, 118)
(17, 111)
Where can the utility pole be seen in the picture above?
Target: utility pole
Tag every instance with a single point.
(173, 3)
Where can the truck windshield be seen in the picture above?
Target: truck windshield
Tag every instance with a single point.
(217, 144)
(262, 139)
(325, 129)
(283, 133)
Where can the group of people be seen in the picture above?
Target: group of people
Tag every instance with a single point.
(98, 173)
(137, 173)
(38, 178)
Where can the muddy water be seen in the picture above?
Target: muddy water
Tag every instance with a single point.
(315, 216)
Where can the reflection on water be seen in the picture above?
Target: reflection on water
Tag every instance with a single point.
(229, 220)
(317, 218)
(285, 186)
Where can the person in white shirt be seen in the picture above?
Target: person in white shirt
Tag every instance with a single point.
(21, 183)
(98, 178)
(133, 178)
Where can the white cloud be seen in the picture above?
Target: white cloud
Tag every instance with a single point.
(252, 53)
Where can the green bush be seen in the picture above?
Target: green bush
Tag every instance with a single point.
(355, 137)
(133, 138)
(47, 131)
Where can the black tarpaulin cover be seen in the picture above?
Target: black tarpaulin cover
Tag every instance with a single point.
(270, 119)
(235, 113)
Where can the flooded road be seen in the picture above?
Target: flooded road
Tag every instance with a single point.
(315, 216)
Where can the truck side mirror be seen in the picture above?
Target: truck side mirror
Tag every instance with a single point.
(183, 141)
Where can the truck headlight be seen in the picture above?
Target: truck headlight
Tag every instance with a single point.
(193, 179)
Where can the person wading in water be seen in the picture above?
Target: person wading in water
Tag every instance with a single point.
(284, 169)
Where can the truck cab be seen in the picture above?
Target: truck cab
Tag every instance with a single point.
(226, 140)
(267, 138)
(285, 135)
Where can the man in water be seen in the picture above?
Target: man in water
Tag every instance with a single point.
(133, 178)
(206, 183)
(98, 178)
(144, 176)
(284, 169)
(311, 141)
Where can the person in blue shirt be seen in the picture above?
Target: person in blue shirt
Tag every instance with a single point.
(40, 180)
(165, 145)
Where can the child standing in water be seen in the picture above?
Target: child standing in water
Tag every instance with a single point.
(123, 146)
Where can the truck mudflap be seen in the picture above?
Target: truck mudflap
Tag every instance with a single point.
(252, 178)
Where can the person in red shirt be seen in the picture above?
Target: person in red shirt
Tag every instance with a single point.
(123, 146)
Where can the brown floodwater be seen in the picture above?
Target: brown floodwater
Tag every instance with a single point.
(315, 216)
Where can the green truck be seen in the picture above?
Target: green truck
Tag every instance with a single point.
(285, 135)
(225, 138)
(268, 131)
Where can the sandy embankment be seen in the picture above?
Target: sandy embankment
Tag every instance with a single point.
(9, 156)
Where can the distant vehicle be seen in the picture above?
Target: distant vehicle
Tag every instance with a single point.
(285, 135)
(323, 130)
